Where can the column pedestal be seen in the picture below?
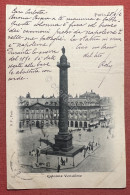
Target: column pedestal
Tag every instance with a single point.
(63, 142)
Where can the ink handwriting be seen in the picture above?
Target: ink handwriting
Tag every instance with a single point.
(34, 35)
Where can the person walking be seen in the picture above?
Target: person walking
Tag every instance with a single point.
(61, 160)
(30, 126)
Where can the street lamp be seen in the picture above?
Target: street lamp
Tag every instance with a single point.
(47, 139)
(79, 136)
(37, 152)
(33, 146)
(40, 141)
(58, 160)
(73, 161)
(93, 139)
(98, 141)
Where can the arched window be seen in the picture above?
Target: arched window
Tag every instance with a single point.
(80, 124)
(71, 123)
(85, 103)
(27, 111)
(27, 114)
(76, 103)
(81, 103)
(85, 124)
(76, 124)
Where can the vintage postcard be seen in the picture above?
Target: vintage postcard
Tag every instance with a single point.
(65, 97)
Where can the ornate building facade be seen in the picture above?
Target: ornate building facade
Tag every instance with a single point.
(84, 111)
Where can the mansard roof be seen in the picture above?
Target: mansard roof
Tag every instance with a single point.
(89, 94)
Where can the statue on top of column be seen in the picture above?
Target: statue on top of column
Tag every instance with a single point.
(63, 50)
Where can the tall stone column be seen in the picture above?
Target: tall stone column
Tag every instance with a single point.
(63, 141)
(63, 95)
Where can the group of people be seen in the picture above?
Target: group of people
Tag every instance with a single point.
(63, 162)
(90, 147)
(74, 130)
(110, 133)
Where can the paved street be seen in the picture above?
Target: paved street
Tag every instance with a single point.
(100, 160)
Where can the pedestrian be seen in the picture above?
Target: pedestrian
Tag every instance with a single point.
(66, 159)
(61, 160)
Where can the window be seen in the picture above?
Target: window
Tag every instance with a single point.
(27, 111)
(80, 124)
(71, 124)
(76, 124)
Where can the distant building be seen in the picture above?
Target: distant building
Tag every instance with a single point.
(106, 110)
(84, 111)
